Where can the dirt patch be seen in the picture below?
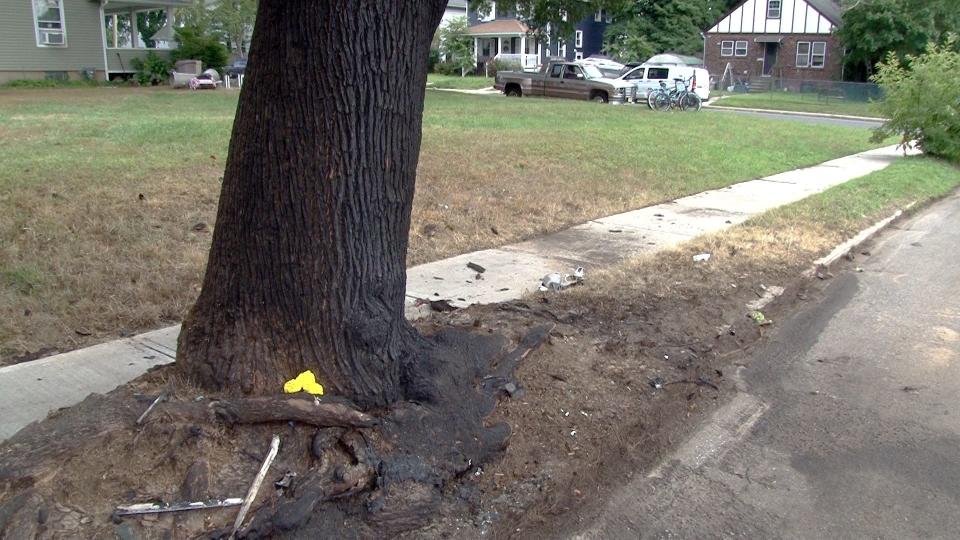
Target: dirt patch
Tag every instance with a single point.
(638, 356)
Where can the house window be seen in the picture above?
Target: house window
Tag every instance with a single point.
(608, 18)
(598, 16)
(818, 54)
(578, 40)
(773, 9)
(803, 54)
(726, 48)
(490, 15)
(48, 16)
(741, 48)
(578, 56)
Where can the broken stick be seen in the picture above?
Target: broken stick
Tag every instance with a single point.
(255, 486)
(160, 508)
(150, 408)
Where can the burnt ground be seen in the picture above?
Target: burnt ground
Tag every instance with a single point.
(628, 372)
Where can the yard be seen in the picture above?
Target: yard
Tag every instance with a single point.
(799, 101)
(435, 80)
(108, 195)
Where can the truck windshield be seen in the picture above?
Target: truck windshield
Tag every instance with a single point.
(592, 72)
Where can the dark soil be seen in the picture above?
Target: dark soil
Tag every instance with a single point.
(623, 378)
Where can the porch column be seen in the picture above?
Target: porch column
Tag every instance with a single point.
(523, 51)
(476, 52)
(116, 31)
(499, 45)
(134, 31)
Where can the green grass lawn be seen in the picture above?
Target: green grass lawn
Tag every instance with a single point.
(795, 101)
(103, 190)
(435, 80)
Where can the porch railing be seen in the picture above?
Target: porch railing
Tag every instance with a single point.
(525, 61)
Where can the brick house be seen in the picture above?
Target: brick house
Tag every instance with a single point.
(788, 40)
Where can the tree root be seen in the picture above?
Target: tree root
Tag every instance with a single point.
(325, 412)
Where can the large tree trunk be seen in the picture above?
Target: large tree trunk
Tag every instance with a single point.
(307, 266)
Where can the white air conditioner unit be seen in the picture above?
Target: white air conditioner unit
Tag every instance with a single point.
(51, 38)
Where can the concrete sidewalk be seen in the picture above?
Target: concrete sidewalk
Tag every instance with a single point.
(29, 391)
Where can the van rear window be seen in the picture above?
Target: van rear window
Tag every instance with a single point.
(658, 73)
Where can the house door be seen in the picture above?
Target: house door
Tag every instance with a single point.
(769, 58)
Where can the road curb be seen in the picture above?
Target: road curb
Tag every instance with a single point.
(853, 243)
(795, 113)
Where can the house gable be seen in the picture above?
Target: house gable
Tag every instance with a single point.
(796, 17)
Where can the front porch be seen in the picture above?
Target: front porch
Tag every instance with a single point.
(123, 40)
(508, 41)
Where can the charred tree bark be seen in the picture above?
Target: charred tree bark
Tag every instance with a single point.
(307, 266)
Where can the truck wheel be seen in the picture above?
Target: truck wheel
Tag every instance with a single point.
(599, 97)
(513, 91)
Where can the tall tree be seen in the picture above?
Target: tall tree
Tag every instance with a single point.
(234, 19)
(873, 28)
(647, 27)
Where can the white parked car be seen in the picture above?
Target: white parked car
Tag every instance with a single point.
(647, 77)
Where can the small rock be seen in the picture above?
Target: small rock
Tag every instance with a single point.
(200, 227)
(196, 483)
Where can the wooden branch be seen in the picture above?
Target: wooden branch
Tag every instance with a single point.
(255, 486)
(536, 337)
(320, 413)
(324, 412)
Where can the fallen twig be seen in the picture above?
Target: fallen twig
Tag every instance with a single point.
(150, 408)
(255, 486)
(159, 508)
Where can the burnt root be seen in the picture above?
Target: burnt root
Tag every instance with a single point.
(392, 477)
(320, 412)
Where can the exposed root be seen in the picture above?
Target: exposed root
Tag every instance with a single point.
(321, 412)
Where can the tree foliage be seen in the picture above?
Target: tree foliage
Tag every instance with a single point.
(647, 27)
(874, 28)
(149, 23)
(922, 101)
(231, 21)
(456, 45)
(196, 44)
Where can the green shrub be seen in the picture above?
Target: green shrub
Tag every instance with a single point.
(198, 45)
(922, 99)
(52, 83)
(448, 68)
(495, 66)
(456, 44)
(433, 60)
(152, 70)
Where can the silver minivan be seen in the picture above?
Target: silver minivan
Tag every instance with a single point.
(647, 78)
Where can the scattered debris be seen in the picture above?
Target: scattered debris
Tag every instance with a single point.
(304, 382)
(150, 408)
(912, 389)
(823, 272)
(438, 278)
(656, 382)
(769, 293)
(286, 481)
(859, 269)
(160, 508)
(200, 227)
(255, 486)
(441, 306)
(495, 231)
(83, 332)
(476, 267)
(759, 318)
(556, 281)
(703, 257)
(616, 230)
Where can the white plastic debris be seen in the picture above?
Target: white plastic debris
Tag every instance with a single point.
(555, 281)
(703, 257)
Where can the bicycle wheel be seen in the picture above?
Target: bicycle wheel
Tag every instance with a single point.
(663, 102)
(691, 102)
(651, 97)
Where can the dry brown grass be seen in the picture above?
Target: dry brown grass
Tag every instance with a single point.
(83, 259)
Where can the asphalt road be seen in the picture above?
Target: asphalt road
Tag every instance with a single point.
(848, 423)
(867, 124)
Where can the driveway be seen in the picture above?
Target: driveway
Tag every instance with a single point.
(848, 423)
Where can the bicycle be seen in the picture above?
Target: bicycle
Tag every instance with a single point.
(680, 97)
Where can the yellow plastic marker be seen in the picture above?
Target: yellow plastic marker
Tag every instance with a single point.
(305, 382)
